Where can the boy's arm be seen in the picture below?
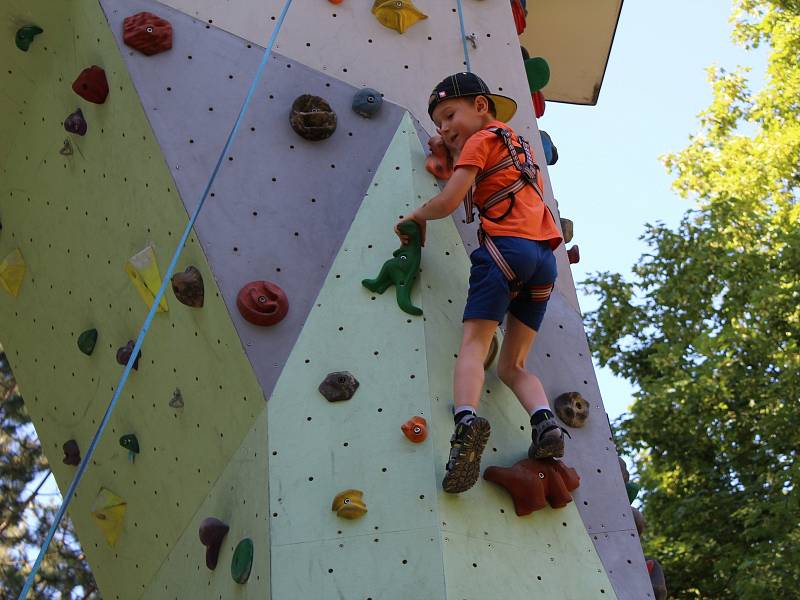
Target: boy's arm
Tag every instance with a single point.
(447, 201)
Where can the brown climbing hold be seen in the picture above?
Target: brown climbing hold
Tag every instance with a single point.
(533, 483)
(567, 228)
(624, 468)
(415, 429)
(572, 409)
(124, 354)
(339, 386)
(75, 123)
(92, 85)
(262, 303)
(657, 578)
(147, 33)
(638, 519)
(349, 504)
(212, 532)
(439, 163)
(312, 118)
(574, 255)
(188, 287)
(72, 454)
(493, 348)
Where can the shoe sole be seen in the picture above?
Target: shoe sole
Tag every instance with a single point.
(551, 447)
(467, 469)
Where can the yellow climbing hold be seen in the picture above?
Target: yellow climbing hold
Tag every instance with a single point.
(12, 271)
(108, 512)
(397, 14)
(349, 504)
(142, 268)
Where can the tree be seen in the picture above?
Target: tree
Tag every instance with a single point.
(25, 517)
(708, 330)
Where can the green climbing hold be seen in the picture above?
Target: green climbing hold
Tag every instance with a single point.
(242, 561)
(25, 36)
(87, 341)
(401, 270)
(633, 490)
(538, 72)
(129, 442)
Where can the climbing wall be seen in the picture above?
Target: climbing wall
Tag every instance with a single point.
(314, 218)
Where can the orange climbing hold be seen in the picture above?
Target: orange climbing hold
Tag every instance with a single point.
(349, 504)
(533, 483)
(415, 429)
(262, 303)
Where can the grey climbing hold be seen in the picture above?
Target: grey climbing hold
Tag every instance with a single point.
(177, 399)
(367, 102)
(339, 386)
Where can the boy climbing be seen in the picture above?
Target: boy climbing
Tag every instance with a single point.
(513, 269)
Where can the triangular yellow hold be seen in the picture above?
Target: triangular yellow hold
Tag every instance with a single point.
(12, 271)
(397, 14)
(108, 511)
(142, 268)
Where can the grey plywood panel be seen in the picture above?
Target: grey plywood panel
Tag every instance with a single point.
(280, 206)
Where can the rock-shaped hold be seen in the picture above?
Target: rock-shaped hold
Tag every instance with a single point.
(188, 287)
(143, 270)
(494, 346)
(124, 354)
(533, 483)
(367, 102)
(415, 429)
(401, 270)
(130, 442)
(338, 386)
(25, 35)
(633, 490)
(574, 255)
(147, 33)
(657, 578)
(262, 303)
(108, 511)
(638, 519)
(626, 477)
(242, 561)
(538, 73)
(12, 272)
(397, 14)
(72, 454)
(92, 85)
(349, 504)
(550, 151)
(177, 399)
(567, 229)
(75, 123)
(538, 104)
(518, 12)
(439, 162)
(312, 118)
(87, 341)
(572, 409)
(212, 532)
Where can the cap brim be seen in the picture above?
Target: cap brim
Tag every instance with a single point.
(504, 107)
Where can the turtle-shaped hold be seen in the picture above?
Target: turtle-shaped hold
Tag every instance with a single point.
(401, 270)
(339, 386)
(367, 102)
(147, 33)
(349, 504)
(397, 14)
(188, 287)
(75, 123)
(312, 118)
(572, 409)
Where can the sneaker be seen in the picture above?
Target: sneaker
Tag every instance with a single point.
(466, 446)
(547, 440)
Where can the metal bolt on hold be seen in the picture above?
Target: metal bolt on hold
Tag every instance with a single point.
(338, 386)
(472, 38)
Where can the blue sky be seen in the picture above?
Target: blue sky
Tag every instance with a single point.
(608, 178)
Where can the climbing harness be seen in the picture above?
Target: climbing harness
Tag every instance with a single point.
(529, 175)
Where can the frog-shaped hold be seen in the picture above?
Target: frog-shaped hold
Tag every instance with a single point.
(401, 270)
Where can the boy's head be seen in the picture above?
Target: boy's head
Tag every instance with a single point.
(462, 104)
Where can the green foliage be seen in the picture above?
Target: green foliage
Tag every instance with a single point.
(25, 516)
(709, 331)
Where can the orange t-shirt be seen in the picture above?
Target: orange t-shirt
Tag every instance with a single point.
(530, 218)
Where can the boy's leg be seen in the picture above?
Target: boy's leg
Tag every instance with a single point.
(547, 439)
(472, 432)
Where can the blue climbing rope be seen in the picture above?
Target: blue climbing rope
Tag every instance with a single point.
(153, 308)
(463, 36)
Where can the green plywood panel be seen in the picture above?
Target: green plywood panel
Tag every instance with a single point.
(319, 449)
(77, 219)
(240, 499)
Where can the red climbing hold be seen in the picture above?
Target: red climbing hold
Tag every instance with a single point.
(574, 255)
(262, 303)
(92, 85)
(538, 103)
(534, 483)
(72, 454)
(439, 163)
(212, 532)
(415, 429)
(147, 33)
(519, 16)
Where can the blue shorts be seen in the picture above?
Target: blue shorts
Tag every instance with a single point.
(489, 294)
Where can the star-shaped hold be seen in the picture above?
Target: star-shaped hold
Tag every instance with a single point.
(534, 483)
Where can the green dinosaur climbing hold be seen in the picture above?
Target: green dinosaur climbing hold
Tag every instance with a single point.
(25, 36)
(87, 341)
(401, 270)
